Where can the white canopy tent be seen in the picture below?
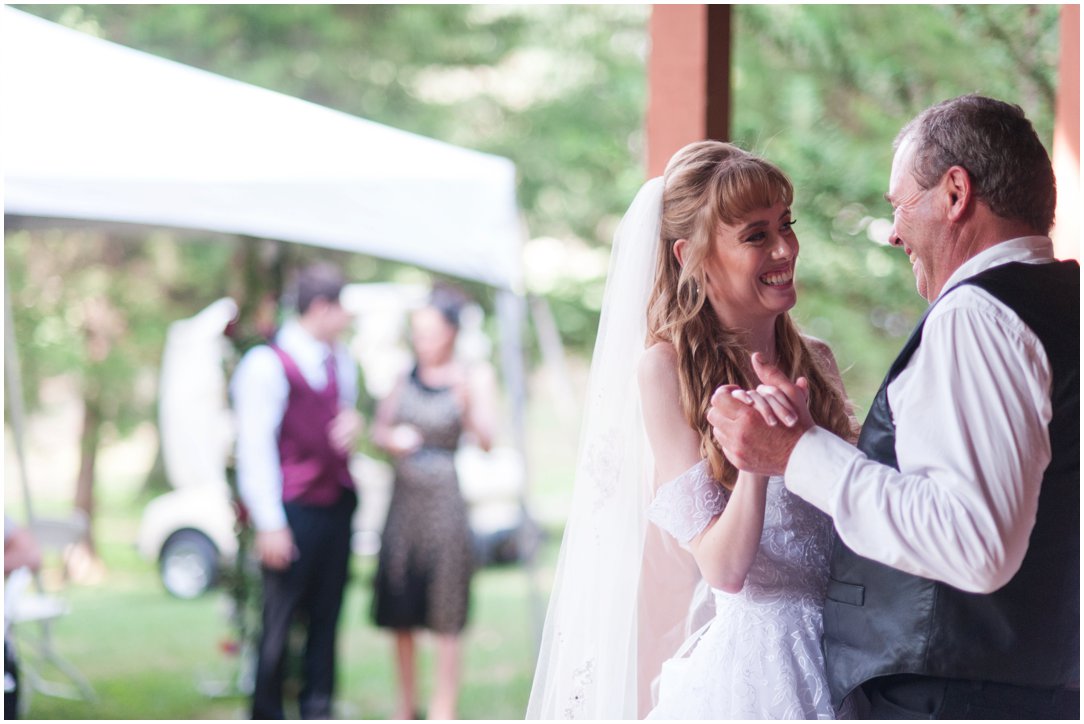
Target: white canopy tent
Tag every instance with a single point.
(99, 133)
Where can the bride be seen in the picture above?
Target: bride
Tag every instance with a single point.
(701, 278)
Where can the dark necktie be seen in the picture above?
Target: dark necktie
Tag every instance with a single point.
(332, 378)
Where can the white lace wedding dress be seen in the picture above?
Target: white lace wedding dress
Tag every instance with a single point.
(760, 657)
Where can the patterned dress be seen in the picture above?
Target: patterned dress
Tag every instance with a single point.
(426, 552)
(760, 657)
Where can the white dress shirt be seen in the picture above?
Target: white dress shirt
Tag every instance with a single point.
(260, 392)
(971, 411)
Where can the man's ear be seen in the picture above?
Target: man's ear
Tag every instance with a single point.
(679, 251)
(956, 184)
(318, 306)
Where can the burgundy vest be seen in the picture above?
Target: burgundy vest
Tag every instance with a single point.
(313, 473)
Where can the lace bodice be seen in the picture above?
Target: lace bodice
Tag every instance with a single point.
(793, 556)
(684, 506)
(760, 658)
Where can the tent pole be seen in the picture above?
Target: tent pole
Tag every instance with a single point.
(14, 382)
(511, 313)
(553, 356)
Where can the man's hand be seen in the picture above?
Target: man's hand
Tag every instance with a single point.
(746, 423)
(344, 430)
(276, 548)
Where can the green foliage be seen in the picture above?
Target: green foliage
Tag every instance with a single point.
(822, 90)
(95, 306)
(561, 90)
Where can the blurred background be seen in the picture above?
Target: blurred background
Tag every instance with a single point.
(563, 91)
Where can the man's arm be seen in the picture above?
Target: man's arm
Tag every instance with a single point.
(260, 392)
(971, 411)
(348, 425)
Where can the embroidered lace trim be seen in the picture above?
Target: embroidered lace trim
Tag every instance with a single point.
(685, 505)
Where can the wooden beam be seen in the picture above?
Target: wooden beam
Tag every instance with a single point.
(688, 79)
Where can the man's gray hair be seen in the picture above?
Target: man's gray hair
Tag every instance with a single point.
(997, 145)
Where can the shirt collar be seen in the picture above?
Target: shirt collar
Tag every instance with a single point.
(297, 342)
(1024, 248)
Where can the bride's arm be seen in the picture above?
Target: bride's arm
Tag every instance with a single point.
(726, 548)
(674, 445)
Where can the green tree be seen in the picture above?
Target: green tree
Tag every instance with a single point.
(561, 90)
(93, 307)
(822, 90)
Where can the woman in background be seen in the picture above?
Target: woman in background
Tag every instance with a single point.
(426, 554)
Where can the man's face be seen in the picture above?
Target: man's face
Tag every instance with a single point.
(334, 319)
(916, 225)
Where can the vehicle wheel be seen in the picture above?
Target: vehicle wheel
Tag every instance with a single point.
(188, 564)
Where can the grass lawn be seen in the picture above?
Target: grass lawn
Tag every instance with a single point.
(151, 656)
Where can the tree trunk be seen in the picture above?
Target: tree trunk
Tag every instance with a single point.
(88, 456)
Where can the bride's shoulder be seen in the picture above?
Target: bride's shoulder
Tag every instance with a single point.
(660, 358)
(821, 349)
(659, 352)
(825, 359)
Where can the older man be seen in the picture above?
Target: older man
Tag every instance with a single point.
(954, 589)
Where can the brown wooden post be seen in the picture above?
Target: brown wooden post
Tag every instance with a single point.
(1066, 153)
(688, 79)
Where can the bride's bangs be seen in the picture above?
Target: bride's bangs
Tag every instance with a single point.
(749, 185)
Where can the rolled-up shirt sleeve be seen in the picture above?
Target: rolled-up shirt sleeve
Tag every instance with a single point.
(971, 413)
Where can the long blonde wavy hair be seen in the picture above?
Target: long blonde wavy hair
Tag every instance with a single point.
(705, 184)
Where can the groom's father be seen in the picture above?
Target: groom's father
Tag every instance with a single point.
(954, 589)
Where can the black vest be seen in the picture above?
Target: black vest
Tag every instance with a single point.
(880, 621)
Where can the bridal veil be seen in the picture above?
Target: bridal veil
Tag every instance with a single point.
(622, 599)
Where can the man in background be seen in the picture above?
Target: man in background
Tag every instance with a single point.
(296, 427)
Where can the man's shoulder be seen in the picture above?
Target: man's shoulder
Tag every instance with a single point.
(973, 318)
(260, 351)
(259, 361)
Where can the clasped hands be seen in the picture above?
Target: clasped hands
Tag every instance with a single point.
(758, 429)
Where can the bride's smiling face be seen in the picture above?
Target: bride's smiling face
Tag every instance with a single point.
(750, 267)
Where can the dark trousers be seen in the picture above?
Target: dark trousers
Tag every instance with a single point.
(313, 587)
(923, 697)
